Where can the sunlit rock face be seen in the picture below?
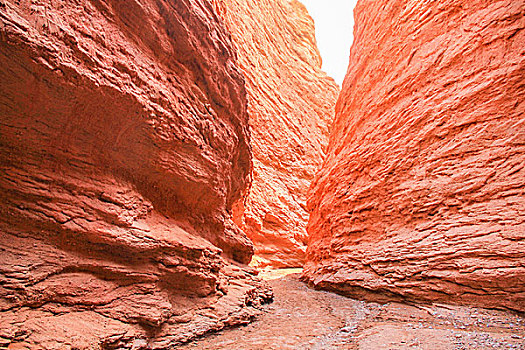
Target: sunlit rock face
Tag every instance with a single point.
(422, 195)
(290, 106)
(124, 145)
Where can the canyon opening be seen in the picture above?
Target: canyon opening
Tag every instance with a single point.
(185, 174)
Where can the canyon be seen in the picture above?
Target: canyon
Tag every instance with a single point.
(155, 155)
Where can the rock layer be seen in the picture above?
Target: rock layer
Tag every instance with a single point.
(124, 146)
(290, 105)
(421, 196)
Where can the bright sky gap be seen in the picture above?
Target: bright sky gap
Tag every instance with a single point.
(334, 25)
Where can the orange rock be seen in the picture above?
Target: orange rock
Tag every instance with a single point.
(290, 105)
(124, 146)
(422, 193)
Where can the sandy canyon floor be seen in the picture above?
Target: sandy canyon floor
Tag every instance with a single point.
(303, 318)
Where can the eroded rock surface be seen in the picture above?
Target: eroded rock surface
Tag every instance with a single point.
(290, 106)
(422, 192)
(124, 145)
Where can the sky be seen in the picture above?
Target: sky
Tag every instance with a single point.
(334, 25)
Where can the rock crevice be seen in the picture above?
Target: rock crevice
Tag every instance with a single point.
(290, 106)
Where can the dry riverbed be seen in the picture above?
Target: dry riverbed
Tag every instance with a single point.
(303, 318)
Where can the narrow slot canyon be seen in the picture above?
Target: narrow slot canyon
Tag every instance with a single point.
(183, 174)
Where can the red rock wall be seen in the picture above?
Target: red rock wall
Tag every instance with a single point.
(290, 105)
(422, 195)
(124, 144)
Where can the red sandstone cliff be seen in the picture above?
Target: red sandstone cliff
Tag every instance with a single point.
(124, 144)
(290, 105)
(422, 195)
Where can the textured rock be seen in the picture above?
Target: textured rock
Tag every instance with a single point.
(124, 145)
(290, 105)
(421, 196)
